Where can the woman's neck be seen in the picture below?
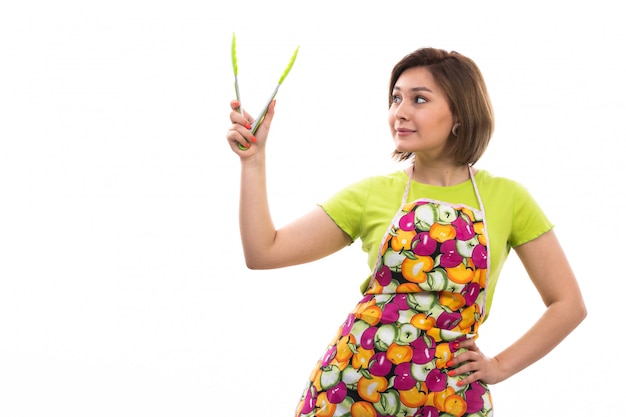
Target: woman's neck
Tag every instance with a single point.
(439, 174)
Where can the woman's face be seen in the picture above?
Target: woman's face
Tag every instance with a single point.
(419, 117)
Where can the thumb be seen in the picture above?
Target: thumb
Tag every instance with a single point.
(267, 120)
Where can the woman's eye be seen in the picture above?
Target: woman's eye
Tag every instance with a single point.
(420, 100)
(395, 99)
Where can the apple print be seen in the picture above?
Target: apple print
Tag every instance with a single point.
(343, 408)
(393, 260)
(470, 293)
(424, 349)
(390, 313)
(464, 228)
(479, 256)
(367, 298)
(436, 380)
(449, 336)
(379, 364)
(407, 222)
(446, 214)
(407, 334)
(421, 301)
(478, 387)
(447, 290)
(400, 300)
(331, 375)
(405, 316)
(350, 377)
(474, 400)
(424, 217)
(383, 298)
(423, 244)
(436, 280)
(358, 328)
(427, 411)
(337, 393)
(389, 403)
(329, 355)
(420, 371)
(368, 337)
(450, 257)
(386, 335)
(448, 319)
(309, 400)
(383, 276)
(347, 325)
(465, 248)
(403, 379)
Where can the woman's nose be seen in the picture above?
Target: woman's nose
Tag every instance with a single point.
(400, 111)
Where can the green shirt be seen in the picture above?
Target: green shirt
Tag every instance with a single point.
(365, 209)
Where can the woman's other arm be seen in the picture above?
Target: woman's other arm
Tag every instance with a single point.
(556, 283)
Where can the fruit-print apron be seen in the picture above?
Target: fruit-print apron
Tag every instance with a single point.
(427, 292)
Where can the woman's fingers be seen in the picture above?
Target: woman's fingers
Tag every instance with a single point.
(474, 365)
(240, 135)
(236, 116)
(236, 139)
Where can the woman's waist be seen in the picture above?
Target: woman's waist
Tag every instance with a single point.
(442, 315)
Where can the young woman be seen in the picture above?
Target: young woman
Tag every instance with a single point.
(437, 235)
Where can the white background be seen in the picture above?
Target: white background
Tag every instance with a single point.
(123, 290)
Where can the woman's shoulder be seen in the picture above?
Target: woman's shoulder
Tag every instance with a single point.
(487, 178)
(500, 187)
(378, 181)
(374, 186)
(398, 177)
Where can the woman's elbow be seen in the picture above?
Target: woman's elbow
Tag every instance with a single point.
(582, 311)
(257, 262)
(253, 264)
(576, 312)
(255, 267)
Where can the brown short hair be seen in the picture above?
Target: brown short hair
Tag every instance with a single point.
(463, 83)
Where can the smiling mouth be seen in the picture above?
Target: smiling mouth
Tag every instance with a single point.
(403, 131)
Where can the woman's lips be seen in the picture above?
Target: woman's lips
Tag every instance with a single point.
(402, 131)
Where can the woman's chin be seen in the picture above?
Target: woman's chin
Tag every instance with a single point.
(403, 145)
(404, 149)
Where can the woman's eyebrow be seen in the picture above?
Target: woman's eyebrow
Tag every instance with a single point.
(415, 89)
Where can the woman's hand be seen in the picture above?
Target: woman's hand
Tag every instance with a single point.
(240, 134)
(550, 272)
(474, 362)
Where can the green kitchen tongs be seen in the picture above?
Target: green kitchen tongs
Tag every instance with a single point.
(259, 119)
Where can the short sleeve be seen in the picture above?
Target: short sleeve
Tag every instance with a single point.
(347, 206)
(529, 220)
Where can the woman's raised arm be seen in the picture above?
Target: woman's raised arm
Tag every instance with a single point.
(311, 237)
